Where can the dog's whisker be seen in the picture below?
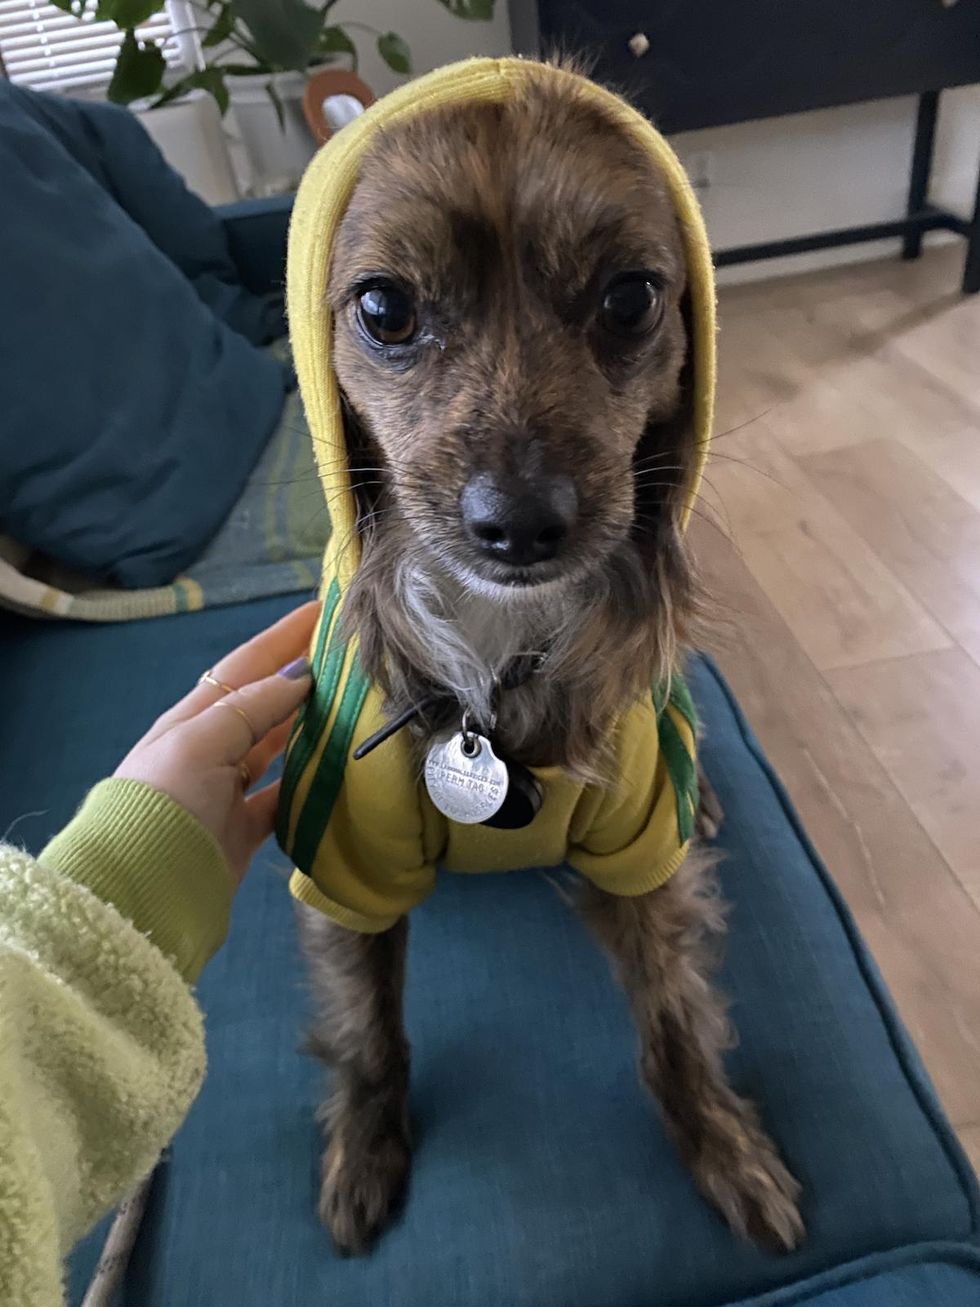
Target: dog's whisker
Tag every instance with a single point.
(742, 426)
(752, 467)
(639, 479)
(653, 521)
(642, 482)
(361, 528)
(720, 509)
(343, 494)
(662, 467)
(706, 514)
(656, 457)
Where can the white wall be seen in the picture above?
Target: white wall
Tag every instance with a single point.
(193, 140)
(836, 168)
(434, 36)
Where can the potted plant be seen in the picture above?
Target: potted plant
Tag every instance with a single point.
(254, 55)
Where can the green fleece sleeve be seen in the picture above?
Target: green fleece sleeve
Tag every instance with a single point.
(146, 855)
(101, 1041)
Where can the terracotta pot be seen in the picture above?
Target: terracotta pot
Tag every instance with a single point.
(327, 84)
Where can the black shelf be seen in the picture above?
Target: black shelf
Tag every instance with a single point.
(708, 64)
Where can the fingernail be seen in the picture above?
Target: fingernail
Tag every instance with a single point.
(296, 670)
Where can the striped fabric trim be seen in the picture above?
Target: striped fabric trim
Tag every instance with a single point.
(680, 760)
(325, 786)
(327, 661)
(188, 595)
(680, 698)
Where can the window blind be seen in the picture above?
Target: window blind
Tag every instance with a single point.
(43, 47)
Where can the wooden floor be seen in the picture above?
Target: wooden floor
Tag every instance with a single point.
(841, 533)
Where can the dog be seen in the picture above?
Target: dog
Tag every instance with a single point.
(510, 321)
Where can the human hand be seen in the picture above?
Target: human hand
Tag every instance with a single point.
(210, 747)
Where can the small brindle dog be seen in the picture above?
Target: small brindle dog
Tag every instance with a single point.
(508, 294)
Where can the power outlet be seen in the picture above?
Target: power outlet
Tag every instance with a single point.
(701, 170)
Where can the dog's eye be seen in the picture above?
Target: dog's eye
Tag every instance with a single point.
(632, 305)
(387, 314)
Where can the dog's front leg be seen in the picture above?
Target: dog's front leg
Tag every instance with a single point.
(660, 945)
(357, 983)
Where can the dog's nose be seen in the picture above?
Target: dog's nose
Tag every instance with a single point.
(519, 522)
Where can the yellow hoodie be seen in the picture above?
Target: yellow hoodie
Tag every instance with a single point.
(364, 835)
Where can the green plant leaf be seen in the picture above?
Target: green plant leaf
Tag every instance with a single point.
(277, 104)
(284, 32)
(220, 28)
(74, 7)
(126, 13)
(334, 40)
(173, 92)
(395, 52)
(211, 80)
(481, 10)
(138, 72)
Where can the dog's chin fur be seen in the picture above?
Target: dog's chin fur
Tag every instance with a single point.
(605, 635)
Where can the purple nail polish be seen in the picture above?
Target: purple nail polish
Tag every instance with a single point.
(296, 670)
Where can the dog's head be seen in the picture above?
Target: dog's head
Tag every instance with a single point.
(508, 290)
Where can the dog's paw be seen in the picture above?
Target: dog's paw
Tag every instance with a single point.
(742, 1174)
(362, 1185)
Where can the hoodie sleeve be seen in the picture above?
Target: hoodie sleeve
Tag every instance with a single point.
(364, 851)
(101, 1041)
(638, 833)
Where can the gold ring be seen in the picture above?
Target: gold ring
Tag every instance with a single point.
(223, 703)
(245, 774)
(206, 678)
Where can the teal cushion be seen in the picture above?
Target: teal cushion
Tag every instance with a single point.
(927, 1275)
(111, 144)
(133, 406)
(543, 1176)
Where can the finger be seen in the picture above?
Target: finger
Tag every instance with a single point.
(254, 828)
(259, 657)
(228, 730)
(258, 760)
(261, 810)
(271, 649)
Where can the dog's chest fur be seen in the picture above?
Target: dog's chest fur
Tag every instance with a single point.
(465, 640)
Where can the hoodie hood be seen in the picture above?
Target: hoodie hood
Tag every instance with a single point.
(320, 205)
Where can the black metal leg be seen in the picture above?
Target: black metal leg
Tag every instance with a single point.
(921, 216)
(971, 271)
(925, 136)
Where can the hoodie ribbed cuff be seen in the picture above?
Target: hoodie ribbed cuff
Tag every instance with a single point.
(139, 850)
(305, 891)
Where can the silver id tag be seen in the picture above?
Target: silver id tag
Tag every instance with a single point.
(466, 780)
